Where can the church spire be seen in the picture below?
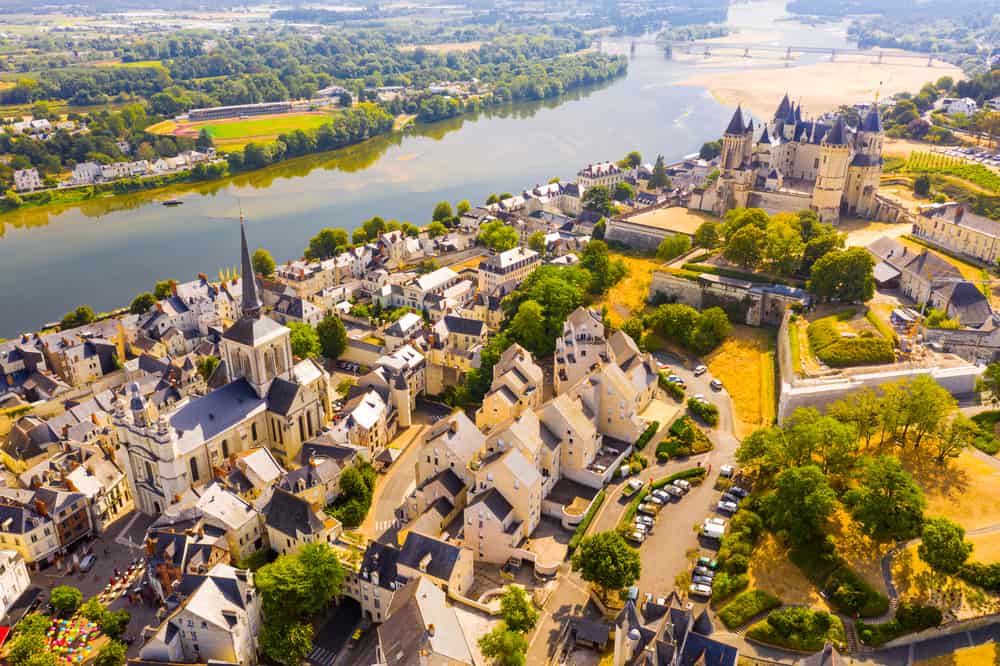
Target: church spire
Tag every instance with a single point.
(251, 301)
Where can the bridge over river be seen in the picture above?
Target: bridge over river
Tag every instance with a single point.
(876, 56)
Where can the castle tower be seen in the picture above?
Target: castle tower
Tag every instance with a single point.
(734, 142)
(255, 348)
(831, 179)
(865, 171)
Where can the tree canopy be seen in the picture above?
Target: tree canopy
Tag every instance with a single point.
(943, 545)
(263, 262)
(498, 236)
(608, 561)
(887, 501)
(304, 340)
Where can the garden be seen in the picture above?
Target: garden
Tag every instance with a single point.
(801, 629)
(684, 438)
(847, 338)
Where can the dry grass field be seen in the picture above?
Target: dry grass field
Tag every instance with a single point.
(981, 655)
(444, 47)
(963, 489)
(628, 297)
(862, 553)
(957, 600)
(744, 363)
(772, 571)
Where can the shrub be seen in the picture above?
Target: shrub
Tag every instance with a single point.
(581, 529)
(986, 576)
(847, 591)
(799, 629)
(647, 435)
(706, 411)
(257, 559)
(675, 391)
(986, 440)
(909, 618)
(726, 585)
(746, 605)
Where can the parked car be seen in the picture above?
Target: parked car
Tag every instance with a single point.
(683, 484)
(662, 494)
(638, 537)
(640, 527)
(700, 370)
(654, 499)
(727, 471)
(646, 520)
(728, 507)
(648, 508)
(729, 497)
(87, 563)
(673, 490)
(698, 590)
(674, 379)
(716, 385)
(699, 397)
(702, 580)
(739, 492)
(704, 571)
(707, 562)
(633, 486)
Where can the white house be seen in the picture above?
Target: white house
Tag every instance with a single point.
(13, 579)
(26, 180)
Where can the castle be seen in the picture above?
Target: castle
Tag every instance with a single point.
(790, 164)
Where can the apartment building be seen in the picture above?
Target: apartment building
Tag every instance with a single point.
(506, 270)
(959, 230)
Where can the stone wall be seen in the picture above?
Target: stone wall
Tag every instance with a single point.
(779, 202)
(676, 289)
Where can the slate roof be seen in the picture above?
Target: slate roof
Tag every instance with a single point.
(495, 503)
(872, 122)
(736, 122)
(837, 135)
(381, 559)
(203, 418)
(443, 555)
(250, 330)
(281, 396)
(451, 481)
(464, 326)
(967, 303)
(291, 515)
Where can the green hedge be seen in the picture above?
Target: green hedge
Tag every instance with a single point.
(706, 411)
(675, 391)
(847, 591)
(647, 435)
(909, 618)
(986, 441)
(747, 604)
(581, 529)
(801, 629)
(887, 331)
(838, 352)
(726, 585)
(986, 576)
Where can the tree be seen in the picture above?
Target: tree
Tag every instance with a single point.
(304, 339)
(955, 436)
(286, 642)
(142, 303)
(80, 317)
(207, 365)
(517, 611)
(436, 229)
(204, 140)
(737, 218)
(462, 207)
(672, 245)
(442, 212)
(990, 382)
(658, 179)
(359, 237)
(843, 275)
(46, 658)
(327, 243)
(112, 654)
(25, 646)
(801, 502)
(497, 236)
(783, 246)
(711, 329)
(943, 545)
(528, 328)
(164, 289)
(504, 647)
(745, 247)
(606, 560)
(605, 272)
(633, 327)
(599, 228)
(65, 599)
(861, 409)
(707, 235)
(332, 337)
(597, 199)
(922, 185)
(536, 242)
(632, 160)
(410, 230)
(263, 262)
(710, 150)
(624, 192)
(887, 501)
(676, 321)
(302, 585)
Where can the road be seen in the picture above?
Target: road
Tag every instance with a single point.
(664, 555)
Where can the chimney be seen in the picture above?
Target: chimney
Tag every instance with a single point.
(430, 630)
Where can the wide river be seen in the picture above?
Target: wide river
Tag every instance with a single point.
(102, 252)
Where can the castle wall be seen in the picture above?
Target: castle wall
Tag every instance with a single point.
(779, 202)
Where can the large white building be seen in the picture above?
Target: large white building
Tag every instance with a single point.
(13, 579)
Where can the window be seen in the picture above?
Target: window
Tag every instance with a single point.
(194, 469)
(253, 431)
(149, 471)
(225, 448)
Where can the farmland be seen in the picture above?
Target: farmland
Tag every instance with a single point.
(233, 134)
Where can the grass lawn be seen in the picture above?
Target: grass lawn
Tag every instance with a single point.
(956, 599)
(963, 489)
(772, 571)
(233, 134)
(744, 363)
(862, 554)
(628, 297)
(806, 640)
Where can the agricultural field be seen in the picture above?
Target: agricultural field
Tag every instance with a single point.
(234, 133)
(921, 162)
(744, 363)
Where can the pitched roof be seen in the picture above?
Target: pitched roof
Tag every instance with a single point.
(443, 555)
(837, 135)
(966, 302)
(420, 617)
(872, 122)
(736, 122)
(281, 396)
(291, 515)
(203, 418)
(251, 300)
(493, 502)
(253, 330)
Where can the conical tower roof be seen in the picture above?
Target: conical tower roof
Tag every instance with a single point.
(251, 300)
(872, 122)
(836, 136)
(765, 137)
(736, 122)
(783, 108)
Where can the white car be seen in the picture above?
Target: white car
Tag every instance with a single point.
(700, 370)
(674, 490)
(640, 527)
(716, 385)
(645, 520)
(727, 507)
(702, 580)
(655, 500)
(698, 590)
(704, 571)
(699, 397)
(683, 484)
(727, 471)
(716, 521)
(662, 494)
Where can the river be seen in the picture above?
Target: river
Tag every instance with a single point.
(104, 251)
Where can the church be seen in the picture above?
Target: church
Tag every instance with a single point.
(791, 163)
(267, 400)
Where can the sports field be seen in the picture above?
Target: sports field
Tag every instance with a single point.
(234, 133)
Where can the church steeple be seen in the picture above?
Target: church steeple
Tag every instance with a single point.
(251, 301)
